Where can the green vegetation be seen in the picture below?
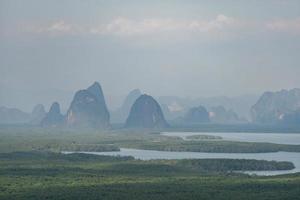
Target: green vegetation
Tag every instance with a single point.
(203, 137)
(29, 139)
(90, 148)
(14, 139)
(225, 165)
(44, 175)
(30, 168)
(245, 128)
(215, 146)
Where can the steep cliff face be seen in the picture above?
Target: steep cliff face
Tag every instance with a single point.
(272, 107)
(88, 109)
(53, 118)
(146, 113)
(292, 118)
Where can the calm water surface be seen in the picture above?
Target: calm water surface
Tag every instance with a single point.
(150, 154)
(278, 138)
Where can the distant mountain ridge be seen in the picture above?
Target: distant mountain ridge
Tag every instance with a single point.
(220, 115)
(13, 116)
(38, 114)
(53, 118)
(196, 115)
(176, 106)
(88, 109)
(120, 115)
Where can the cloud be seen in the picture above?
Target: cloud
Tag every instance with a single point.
(59, 26)
(129, 27)
(171, 29)
(126, 27)
(291, 26)
(56, 28)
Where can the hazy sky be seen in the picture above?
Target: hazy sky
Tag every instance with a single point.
(50, 49)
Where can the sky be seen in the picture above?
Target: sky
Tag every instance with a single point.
(50, 49)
